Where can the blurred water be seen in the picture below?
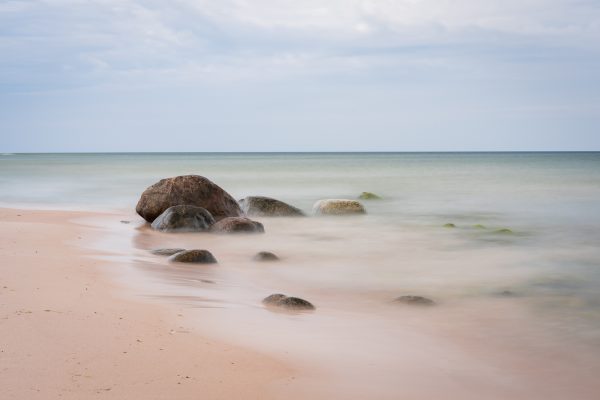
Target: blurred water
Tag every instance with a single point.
(351, 267)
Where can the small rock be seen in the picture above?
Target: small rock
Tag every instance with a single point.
(479, 226)
(265, 256)
(183, 218)
(125, 222)
(267, 207)
(166, 252)
(338, 207)
(414, 300)
(194, 256)
(290, 303)
(504, 231)
(237, 225)
(369, 196)
(449, 225)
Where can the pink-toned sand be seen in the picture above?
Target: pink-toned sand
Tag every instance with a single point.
(64, 333)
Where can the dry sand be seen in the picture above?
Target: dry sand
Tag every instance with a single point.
(65, 333)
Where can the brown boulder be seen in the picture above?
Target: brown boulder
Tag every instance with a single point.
(192, 190)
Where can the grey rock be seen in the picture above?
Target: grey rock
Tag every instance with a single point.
(265, 256)
(192, 190)
(259, 206)
(183, 218)
(414, 300)
(166, 252)
(237, 225)
(194, 256)
(290, 303)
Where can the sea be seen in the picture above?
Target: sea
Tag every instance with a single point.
(506, 244)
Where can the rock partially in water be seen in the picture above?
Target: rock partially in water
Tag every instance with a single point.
(237, 225)
(449, 225)
(478, 226)
(414, 300)
(338, 207)
(183, 218)
(194, 256)
(289, 303)
(260, 206)
(369, 196)
(192, 190)
(504, 231)
(166, 252)
(265, 256)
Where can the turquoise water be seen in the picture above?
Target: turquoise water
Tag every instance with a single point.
(351, 267)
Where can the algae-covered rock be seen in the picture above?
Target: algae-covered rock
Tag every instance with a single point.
(369, 196)
(478, 226)
(504, 231)
(338, 207)
(194, 256)
(449, 225)
(267, 207)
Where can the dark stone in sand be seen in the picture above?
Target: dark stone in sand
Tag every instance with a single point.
(194, 256)
(192, 190)
(184, 218)
(166, 252)
(237, 225)
(265, 256)
(414, 300)
(267, 207)
(290, 303)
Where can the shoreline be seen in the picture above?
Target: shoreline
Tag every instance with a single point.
(67, 332)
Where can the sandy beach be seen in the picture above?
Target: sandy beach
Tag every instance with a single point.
(67, 333)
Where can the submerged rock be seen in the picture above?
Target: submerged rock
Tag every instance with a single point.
(265, 256)
(504, 231)
(184, 218)
(267, 207)
(289, 303)
(237, 225)
(166, 252)
(369, 196)
(192, 190)
(338, 207)
(449, 225)
(478, 226)
(194, 256)
(414, 300)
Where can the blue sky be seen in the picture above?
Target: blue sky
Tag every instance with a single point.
(279, 75)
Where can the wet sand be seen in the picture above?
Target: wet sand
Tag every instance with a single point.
(66, 330)
(211, 326)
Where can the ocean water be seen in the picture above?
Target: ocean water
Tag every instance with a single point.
(509, 304)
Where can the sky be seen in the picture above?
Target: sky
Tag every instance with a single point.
(290, 75)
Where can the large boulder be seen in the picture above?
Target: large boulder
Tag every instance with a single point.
(338, 207)
(267, 207)
(192, 190)
(183, 219)
(237, 225)
(290, 303)
(194, 256)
